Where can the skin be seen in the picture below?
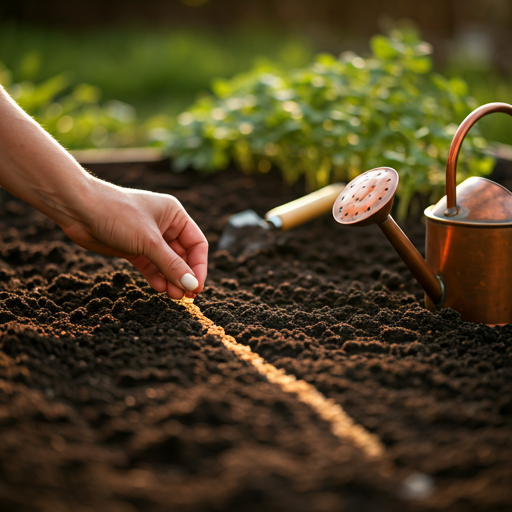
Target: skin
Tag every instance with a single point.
(152, 231)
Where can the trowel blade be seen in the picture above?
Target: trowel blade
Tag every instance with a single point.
(236, 225)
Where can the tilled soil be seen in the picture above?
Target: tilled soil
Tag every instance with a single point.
(114, 398)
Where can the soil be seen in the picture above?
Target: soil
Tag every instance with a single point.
(114, 398)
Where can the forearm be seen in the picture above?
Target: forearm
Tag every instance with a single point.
(37, 169)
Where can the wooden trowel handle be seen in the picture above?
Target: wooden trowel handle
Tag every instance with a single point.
(305, 208)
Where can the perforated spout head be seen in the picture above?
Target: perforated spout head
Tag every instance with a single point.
(367, 199)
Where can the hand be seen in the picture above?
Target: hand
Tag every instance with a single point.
(152, 231)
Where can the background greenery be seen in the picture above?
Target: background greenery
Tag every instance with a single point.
(332, 119)
(160, 72)
(156, 70)
(121, 86)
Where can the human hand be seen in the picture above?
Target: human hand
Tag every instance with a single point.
(152, 231)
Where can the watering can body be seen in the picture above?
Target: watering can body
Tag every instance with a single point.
(468, 263)
(475, 265)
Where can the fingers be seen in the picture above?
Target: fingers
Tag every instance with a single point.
(191, 245)
(153, 276)
(171, 266)
(196, 258)
(188, 278)
(156, 280)
(176, 293)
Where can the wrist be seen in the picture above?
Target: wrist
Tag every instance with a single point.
(65, 198)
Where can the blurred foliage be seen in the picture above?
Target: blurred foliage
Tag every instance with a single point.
(336, 118)
(156, 70)
(72, 113)
(487, 86)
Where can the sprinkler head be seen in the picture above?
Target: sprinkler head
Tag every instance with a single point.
(367, 199)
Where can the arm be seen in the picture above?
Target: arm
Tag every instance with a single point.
(151, 230)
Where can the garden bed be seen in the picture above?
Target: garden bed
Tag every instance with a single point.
(115, 398)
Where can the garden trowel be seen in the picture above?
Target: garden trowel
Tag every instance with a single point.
(247, 231)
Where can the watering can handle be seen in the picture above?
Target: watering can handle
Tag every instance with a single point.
(451, 165)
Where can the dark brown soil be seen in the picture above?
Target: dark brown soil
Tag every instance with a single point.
(113, 398)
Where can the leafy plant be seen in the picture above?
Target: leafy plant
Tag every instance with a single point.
(73, 114)
(335, 119)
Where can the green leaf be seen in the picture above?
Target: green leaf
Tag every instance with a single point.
(458, 86)
(382, 48)
(420, 65)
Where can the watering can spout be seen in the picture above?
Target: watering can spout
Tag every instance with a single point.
(431, 283)
(368, 200)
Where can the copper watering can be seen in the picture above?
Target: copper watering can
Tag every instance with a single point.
(468, 263)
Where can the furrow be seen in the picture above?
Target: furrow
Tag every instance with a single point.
(342, 425)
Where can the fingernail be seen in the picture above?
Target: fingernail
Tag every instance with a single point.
(189, 282)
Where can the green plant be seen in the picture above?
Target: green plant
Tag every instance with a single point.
(73, 114)
(335, 119)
